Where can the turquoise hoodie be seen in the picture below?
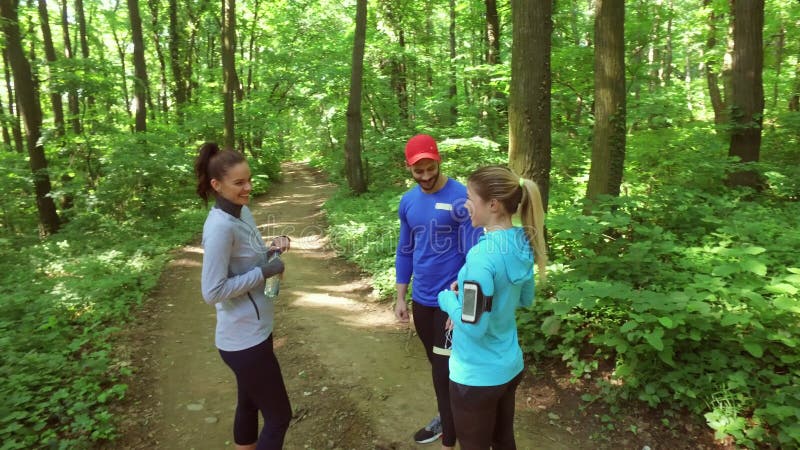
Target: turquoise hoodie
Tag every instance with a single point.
(487, 353)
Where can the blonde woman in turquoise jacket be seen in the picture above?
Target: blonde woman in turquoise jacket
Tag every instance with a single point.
(486, 361)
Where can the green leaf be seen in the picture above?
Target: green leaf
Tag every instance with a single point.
(628, 326)
(787, 304)
(782, 288)
(551, 325)
(755, 266)
(666, 322)
(724, 270)
(754, 349)
(561, 308)
(754, 250)
(654, 339)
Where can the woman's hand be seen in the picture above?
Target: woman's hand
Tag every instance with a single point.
(281, 243)
(454, 287)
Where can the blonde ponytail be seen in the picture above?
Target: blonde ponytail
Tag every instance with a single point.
(501, 183)
(532, 215)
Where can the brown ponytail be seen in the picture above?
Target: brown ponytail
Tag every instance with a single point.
(213, 163)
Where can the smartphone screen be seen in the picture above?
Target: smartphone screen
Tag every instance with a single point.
(470, 302)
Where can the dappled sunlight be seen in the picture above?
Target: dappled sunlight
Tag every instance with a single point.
(350, 312)
(186, 262)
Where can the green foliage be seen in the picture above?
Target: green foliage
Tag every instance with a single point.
(688, 290)
(63, 299)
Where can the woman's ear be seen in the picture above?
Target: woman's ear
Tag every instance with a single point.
(215, 184)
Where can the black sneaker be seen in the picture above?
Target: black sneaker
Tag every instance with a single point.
(430, 433)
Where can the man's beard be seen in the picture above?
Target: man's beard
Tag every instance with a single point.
(433, 180)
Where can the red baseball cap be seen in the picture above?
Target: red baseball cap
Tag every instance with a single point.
(420, 147)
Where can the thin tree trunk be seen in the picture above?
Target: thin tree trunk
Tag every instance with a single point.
(352, 145)
(779, 45)
(176, 40)
(529, 141)
(717, 101)
(747, 104)
(6, 135)
(666, 77)
(123, 77)
(608, 144)
(162, 63)
(453, 77)
(80, 15)
(492, 33)
(251, 47)
(50, 53)
(229, 68)
(72, 95)
(794, 99)
(13, 106)
(493, 58)
(31, 111)
(139, 67)
(397, 64)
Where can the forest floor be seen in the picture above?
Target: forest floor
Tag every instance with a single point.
(356, 378)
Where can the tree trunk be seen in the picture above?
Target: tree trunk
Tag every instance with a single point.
(401, 86)
(352, 145)
(747, 103)
(178, 57)
(13, 106)
(453, 77)
(608, 145)
(717, 101)
(666, 74)
(81, 17)
(794, 100)
(252, 48)
(779, 46)
(50, 54)
(139, 67)
(492, 33)
(162, 63)
(229, 68)
(6, 135)
(31, 112)
(72, 95)
(123, 72)
(529, 142)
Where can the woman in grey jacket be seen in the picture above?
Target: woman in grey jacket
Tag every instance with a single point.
(235, 267)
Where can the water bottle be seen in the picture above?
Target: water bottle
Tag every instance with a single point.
(272, 285)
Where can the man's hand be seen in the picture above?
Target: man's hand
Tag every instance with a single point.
(401, 310)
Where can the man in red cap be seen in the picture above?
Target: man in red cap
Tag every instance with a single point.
(435, 235)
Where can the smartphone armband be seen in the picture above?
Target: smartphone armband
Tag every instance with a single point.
(475, 303)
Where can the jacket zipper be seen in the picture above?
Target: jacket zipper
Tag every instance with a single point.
(258, 316)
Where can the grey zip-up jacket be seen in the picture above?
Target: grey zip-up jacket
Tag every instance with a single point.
(232, 278)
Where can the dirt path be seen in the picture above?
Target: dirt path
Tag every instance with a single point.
(356, 378)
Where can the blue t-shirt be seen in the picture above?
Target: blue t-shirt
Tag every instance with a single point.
(487, 353)
(435, 235)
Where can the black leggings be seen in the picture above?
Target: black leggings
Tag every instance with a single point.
(429, 322)
(260, 388)
(484, 415)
